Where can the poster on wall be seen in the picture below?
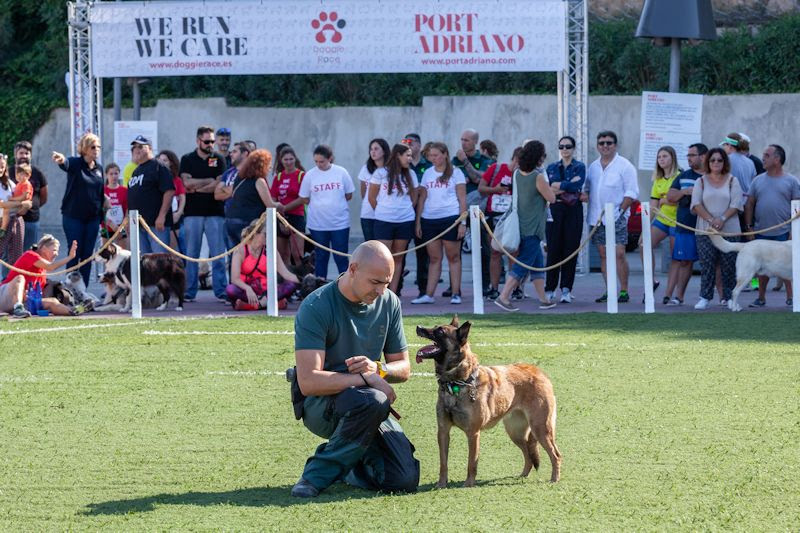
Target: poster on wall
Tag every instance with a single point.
(329, 36)
(673, 119)
(126, 131)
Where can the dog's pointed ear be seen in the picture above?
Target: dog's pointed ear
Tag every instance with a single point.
(454, 322)
(463, 332)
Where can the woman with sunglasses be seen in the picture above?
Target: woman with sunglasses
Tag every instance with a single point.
(82, 206)
(717, 202)
(566, 177)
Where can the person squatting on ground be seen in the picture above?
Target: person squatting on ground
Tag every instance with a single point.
(684, 253)
(204, 216)
(533, 194)
(327, 189)
(442, 199)
(769, 202)
(663, 225)
(393, 195)
(611, 179)
(717, 201)
(341, 331)
(567, 177)
(82, 206)
(247, 290)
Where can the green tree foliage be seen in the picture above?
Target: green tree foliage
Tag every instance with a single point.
(33, 58)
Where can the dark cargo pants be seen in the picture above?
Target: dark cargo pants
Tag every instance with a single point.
(365, 447)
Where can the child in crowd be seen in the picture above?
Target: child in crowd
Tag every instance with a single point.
(22, 192)
(117, 195)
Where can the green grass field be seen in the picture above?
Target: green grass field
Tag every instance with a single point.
(677, 422)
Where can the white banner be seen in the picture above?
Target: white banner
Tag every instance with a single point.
(334, 36)
(125, 131)
(673, 119)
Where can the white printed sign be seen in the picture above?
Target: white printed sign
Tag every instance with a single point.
(332, 36)
(126, 131)
(673, 119)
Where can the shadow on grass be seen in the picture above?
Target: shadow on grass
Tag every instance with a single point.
(745, 326)
(252, 497)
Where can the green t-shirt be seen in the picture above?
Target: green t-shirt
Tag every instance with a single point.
(479, 162)
(421, 167)
(328, 321)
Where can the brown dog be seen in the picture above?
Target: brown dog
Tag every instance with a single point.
(475, 397)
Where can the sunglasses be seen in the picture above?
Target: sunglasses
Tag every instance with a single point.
(715, 160)
(211, 141)
(606, 143)
(565, 147)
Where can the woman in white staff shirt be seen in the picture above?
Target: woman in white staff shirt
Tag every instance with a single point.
(326, 189)
(442, 198)
(378, 154)
(392, 194)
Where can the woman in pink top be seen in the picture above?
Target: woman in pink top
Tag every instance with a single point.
(286, 190)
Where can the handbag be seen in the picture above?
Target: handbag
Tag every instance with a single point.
(567, 198)
(506, 231)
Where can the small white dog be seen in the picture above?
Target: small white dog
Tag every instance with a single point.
(74, 282)
(758, 257)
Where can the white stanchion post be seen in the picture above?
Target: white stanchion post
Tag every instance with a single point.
(272, 266)
(647, 260)
(136, 277)
(795, 256)
(477, 272)
(611, 260)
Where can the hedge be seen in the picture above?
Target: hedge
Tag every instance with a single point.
(33, 58)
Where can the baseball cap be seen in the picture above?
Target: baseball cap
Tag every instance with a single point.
(141, 139)
(224, 131)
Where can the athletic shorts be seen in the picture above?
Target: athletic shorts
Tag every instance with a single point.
(431, 227)
(669, 230)
(685, 247)
(298, 222)
(393, 231)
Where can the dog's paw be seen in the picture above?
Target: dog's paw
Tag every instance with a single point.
(162, 307)
(179, 308)
(734, 306)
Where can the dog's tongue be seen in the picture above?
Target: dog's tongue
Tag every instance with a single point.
(425, 351)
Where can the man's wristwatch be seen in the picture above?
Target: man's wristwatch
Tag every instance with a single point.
(382, 370)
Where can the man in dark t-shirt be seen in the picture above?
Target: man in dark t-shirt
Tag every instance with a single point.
(150, 191)
(201, 170)
(22, 154)
(341, 332)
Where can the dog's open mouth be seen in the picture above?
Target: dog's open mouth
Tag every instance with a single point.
(428, 352)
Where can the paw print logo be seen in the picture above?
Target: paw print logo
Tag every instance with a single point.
(325, 23)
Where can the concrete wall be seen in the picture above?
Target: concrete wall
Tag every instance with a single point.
(505, 119)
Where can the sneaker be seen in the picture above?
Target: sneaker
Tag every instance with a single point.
(675, 301)
(222, 299)
(758, 302)
(304, 489)
(603, 299)
(78, 310)
(518, 294)
(456, 299)
(789, 302)
(665, 300)
(505, 306)
(656, 284)
(424, 299)
(549, 304)
(723, 303)
(187, 298)
(566, 296)
(493, 294)
(241, 305)
(20, 312)
(623, 297)
(447, 293)
(549, 295)
(754, 284)
(701, 304)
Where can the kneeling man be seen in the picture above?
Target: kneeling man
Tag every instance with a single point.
(341, 330)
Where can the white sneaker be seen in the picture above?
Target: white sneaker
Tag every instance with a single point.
(455, 299)
(549, 295)
(723, 303)
(701, 304)
(424, 299)
(566, 297)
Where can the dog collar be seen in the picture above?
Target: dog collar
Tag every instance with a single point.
(454, 387)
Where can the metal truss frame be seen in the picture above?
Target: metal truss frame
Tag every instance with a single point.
(85, 91)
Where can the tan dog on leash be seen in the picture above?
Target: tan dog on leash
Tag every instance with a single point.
(475, 397)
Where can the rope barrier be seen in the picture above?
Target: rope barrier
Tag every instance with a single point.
(723, 234)
(244, 241)
(74, 267)
(461, 217)
(545, 269)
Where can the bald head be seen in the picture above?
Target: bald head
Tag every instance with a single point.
(469, 141)
(373, 253)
